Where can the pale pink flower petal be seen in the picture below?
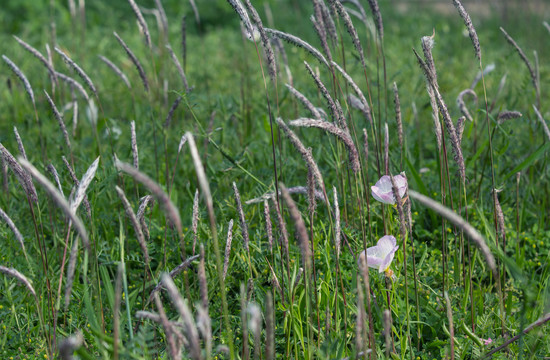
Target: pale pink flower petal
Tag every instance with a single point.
(380, 256)
(382, 190)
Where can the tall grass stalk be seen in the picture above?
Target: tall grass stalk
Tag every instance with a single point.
(205, 187)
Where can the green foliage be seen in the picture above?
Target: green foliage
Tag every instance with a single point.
(315, 309)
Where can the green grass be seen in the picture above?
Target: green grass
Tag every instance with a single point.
(226, 111)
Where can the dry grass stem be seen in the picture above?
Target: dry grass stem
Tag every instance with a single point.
(21, 77)
(228, 247)
(135, 61)
(458, 221)
(336, 131)
(164, 200)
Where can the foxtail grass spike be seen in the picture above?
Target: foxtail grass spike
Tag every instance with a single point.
(58, 199)
(228, 247)
(20, 143)
(462, 105)
(242, 219)
(77, 69)
(116, 70)
(21, 77)
(135, 223)
(164, 200)
(135, 61)
(471, 30)
(458, 221)
(142, 23)
(22, 176)
(175, 272)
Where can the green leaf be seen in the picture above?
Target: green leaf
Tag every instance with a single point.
(528, 161)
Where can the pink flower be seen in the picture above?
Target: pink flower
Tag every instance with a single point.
(487, 342)
(382, 190)
(380, 256)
